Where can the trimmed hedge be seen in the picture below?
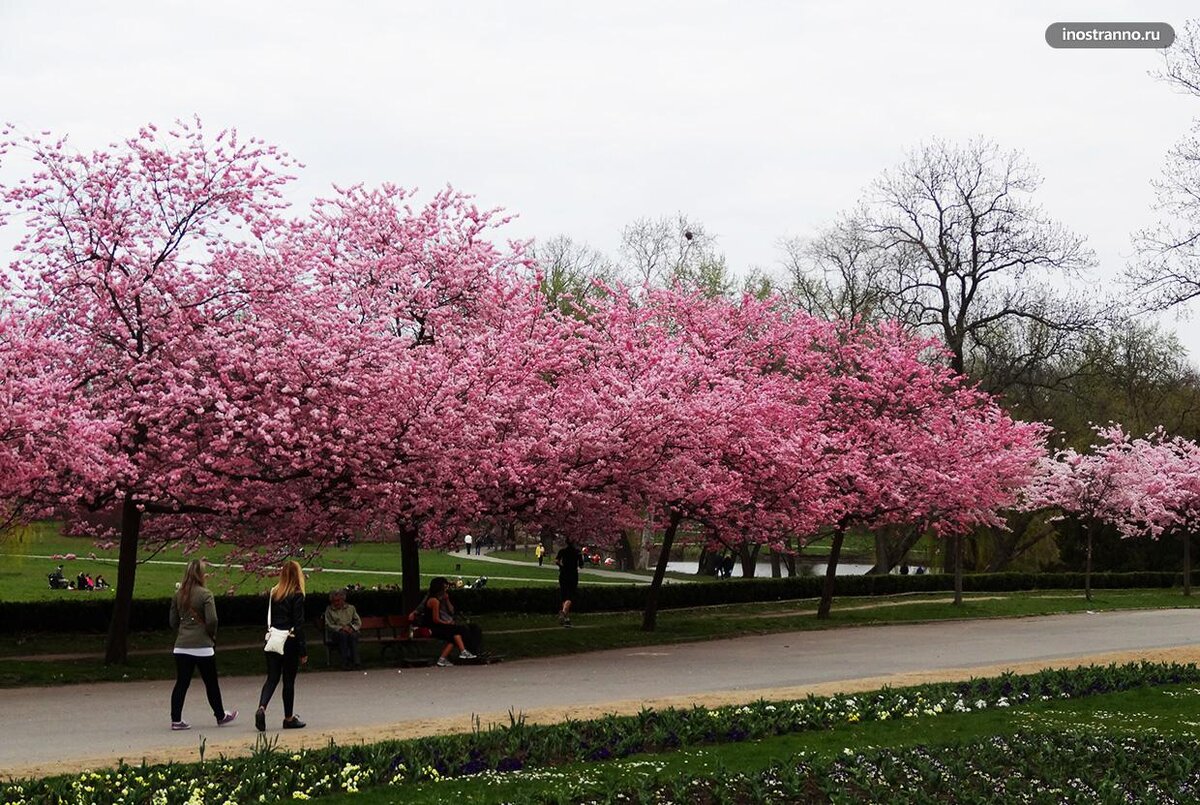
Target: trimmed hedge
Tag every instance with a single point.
(248, 610)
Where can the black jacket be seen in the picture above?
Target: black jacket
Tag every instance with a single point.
(289, 614)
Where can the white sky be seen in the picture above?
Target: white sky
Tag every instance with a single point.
(761, 119)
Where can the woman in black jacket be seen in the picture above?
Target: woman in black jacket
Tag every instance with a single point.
(287, 612)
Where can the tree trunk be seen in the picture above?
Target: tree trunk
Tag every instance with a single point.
(625, 558)
(410, 569)
(890, 550)
(835, 550)
(1187, 562)
(776, 566)
(650, 615)
(1087, 566)
(749, 556)
(789, 559)
(958, 570)
(116, 650)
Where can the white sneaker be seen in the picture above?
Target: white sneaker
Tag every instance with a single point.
(465, 655)
(443, 662)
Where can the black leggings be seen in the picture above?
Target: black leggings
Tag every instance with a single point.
(471, 633)
(282, 666)
(185, 666)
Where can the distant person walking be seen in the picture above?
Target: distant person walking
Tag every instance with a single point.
(540, 553)
(467, 539)
(194, 614)
(286, 609)
(569, 560)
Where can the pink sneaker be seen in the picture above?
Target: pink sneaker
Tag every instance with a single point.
(228, 718)
(180, 725)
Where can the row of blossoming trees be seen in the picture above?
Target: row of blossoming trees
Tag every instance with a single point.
(183, 359)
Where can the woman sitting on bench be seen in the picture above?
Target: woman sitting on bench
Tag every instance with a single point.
(436, 613)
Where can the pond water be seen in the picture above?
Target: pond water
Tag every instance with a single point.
(763, 569)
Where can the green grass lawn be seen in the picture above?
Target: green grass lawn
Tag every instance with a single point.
(25, 561)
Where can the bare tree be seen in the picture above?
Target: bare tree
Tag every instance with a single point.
(571, 272)
(969, 246)
(1167, 271)
(841, 273)
(674, 250)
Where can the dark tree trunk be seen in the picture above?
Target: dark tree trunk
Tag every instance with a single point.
(1187, 562)
(650, 615)
(776, 565)
(835, 551)
(624, 553)
(958, 570)
(890, 550)
(749, 556)
(789, 559)
(116, 650)
(1087, 567)
(410, 569)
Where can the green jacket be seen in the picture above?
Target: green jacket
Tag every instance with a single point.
(197, 623)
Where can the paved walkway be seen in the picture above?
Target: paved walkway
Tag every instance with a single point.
(64, 728)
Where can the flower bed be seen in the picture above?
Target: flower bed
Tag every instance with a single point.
(270, 775)
(1025, 767)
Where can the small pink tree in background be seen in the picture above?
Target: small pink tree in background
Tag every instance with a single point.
(1159, 476)
(978, 466)
(1096, 487)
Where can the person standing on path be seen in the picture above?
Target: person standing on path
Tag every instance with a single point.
(194, 614)
(569, 560)
(287, 612)
(540, 553)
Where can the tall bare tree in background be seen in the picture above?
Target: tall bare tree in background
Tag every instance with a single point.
(571, 272)
(674, 250)
(841, 273)
(1167, 271)
(970, 247)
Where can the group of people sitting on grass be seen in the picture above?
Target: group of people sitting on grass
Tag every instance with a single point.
(83, 581)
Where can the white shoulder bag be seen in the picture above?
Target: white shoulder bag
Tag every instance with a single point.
(275, 637)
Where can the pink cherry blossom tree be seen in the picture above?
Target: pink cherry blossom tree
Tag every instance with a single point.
(1159, 478)
(909, 442)
(1094, 486)
(451, 329)
(149, 268)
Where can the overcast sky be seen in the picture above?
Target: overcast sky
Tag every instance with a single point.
(760, 119)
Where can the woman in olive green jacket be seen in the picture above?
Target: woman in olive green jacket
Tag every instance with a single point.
(194, 614)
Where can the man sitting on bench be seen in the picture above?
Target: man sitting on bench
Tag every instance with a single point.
(342, 626)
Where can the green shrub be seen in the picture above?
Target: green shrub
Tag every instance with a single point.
(248, 610)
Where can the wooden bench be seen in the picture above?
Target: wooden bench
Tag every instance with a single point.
(391, 632)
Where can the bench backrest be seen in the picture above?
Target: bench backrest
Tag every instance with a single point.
(375, 622)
